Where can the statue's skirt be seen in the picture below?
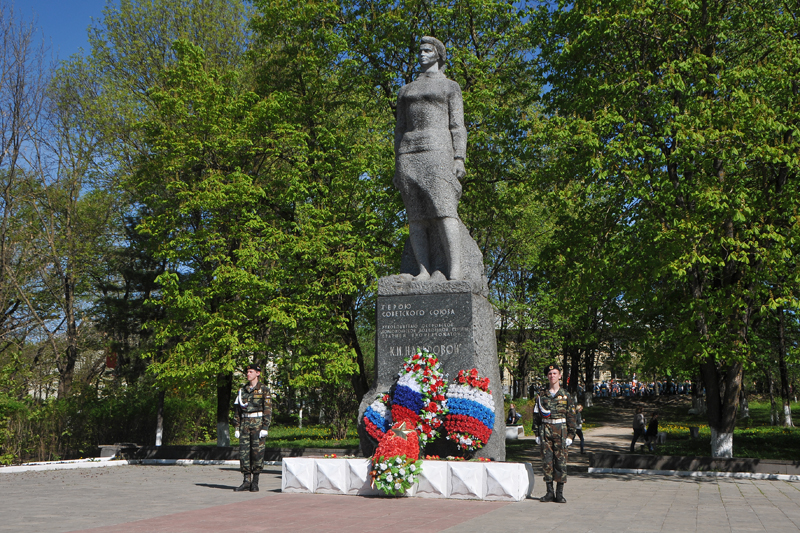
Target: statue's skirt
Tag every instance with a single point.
(427, 184)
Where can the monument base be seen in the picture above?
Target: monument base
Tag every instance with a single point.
(438, 479)
(451, 319)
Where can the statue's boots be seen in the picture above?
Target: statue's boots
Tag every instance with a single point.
(245, 484)
(549, 497)
(560, 493)
(254, 484)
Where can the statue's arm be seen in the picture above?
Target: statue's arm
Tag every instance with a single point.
(400, 126)
(457, 129)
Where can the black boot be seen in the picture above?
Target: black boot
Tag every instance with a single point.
(549, 497)
(245, 484)
(560, 493)
(254, 484)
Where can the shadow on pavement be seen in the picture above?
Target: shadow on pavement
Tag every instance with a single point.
(215, 486)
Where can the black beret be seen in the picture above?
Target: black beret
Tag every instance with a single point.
(254, 366)
(548, 368)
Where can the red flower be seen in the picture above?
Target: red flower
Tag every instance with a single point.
(404, 414)
(392, 445)
(432, 407)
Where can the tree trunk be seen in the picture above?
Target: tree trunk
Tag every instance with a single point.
(66, 363)
(588, 382)
(160, 419)
(574, 369)
(773, 409)
(723, 386)
(224, 388)
(697, 396)
(785, 394)
(359, 380)
(744, 404)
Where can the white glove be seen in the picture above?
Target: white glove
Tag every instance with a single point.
(262, 434)
(236, 433)
(568, 442)
(538, 441)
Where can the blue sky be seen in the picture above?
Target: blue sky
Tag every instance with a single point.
(62, 23)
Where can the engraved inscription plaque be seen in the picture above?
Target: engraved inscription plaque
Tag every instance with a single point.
(439, 323)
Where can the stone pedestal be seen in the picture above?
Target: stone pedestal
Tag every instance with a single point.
(511, 482)
(452, 319)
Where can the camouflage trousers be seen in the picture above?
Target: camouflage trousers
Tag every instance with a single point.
(554, 453)
(251, 448)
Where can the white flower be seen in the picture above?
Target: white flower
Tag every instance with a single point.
(389, 477)
(398, 461)
(397, 486)
(383, 466)
(402, 471)
(413, 468)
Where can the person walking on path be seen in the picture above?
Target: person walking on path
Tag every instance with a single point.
(579, 424)
(638, 427)
(554, 420)
(652, 430)
(253, 410)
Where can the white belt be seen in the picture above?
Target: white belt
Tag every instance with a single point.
(253, 415)
(554, 420)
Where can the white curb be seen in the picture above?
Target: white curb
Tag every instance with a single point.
(189, 462)
(100, 462)
(691, 473)
(97, 462)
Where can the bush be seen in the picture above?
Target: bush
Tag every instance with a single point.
(74, 427)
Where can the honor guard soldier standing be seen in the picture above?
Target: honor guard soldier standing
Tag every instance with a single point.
(253, 410)
(554, 418)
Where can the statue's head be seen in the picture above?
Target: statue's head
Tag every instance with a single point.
(441, 51)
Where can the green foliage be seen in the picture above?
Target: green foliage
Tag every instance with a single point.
(73, 427)
(218, 293)
(757, 443)
(310, 437)
(677, 129)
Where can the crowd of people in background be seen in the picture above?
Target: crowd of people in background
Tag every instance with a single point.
(626, 389)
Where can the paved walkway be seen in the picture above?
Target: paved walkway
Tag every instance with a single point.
(179, 499)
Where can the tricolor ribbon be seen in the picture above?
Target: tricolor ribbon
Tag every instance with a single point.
(538, 408)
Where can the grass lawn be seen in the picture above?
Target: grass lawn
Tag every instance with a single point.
(753, 437)
(307, 437)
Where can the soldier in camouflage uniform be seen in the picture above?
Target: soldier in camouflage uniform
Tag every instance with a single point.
(554, 420)
(253, 413)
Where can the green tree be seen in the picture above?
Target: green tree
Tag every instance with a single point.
(67, 221)
(131, 47)
(24, 77)
(681, 119)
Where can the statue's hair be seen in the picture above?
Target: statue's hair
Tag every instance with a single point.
(441, 51)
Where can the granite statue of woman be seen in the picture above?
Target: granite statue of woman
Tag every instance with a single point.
(430, 143)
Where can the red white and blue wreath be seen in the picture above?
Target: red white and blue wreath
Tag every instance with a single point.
(470, 419)
(420, 395)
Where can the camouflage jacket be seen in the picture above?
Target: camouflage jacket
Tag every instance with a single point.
(560, 406)
(253, 400)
